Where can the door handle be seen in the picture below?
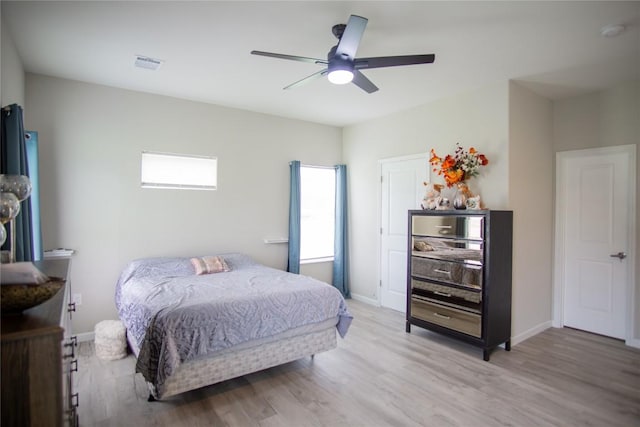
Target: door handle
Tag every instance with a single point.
(619, 255)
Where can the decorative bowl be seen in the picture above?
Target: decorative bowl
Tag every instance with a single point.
(15, 298)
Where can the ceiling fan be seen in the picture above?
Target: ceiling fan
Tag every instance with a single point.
(342, 65)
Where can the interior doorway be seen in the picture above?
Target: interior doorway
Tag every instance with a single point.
(401, 189)
(595, 240)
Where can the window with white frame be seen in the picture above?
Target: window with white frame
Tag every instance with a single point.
(180, 171)
(317, 213)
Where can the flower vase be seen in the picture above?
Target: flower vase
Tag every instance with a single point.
(462, 194)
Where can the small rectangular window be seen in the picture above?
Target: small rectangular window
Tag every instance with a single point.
(317, 213)
(187, 172)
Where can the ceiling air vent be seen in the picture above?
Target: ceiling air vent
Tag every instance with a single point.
(148, 63)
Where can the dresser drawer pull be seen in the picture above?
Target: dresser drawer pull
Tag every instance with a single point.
(72, 307)
(75, 401)
(442, 316)
(73, 365)
(71, 355)
(443, 229)
(442, 271)
(72, 343)
(442, 294)
(72, 418)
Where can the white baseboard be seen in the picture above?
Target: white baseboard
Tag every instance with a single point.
(365, 300)
(633, 342)
(530, 332)
(85, 336)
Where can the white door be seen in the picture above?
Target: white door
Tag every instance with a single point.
(595, 190)
(402, 189)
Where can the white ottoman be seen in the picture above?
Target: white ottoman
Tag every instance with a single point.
(110, 340)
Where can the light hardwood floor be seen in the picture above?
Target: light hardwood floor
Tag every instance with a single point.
(381, 376)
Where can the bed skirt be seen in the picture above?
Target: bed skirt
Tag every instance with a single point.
(218, 368)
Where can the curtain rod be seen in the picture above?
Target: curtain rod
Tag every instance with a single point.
(317, 166)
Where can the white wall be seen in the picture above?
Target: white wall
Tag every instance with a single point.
(606, 118)
(11, 73)
(476, 119)
(531, 185)
(90, 142)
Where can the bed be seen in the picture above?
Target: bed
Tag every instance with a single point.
(191, 330)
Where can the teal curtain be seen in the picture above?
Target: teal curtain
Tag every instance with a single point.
(13, 161)
(293, 264)
(341, 247)
(31, 141)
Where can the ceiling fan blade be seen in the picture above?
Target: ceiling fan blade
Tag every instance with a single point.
(362, 82)
(290, 57)
(393, 61)
(307, 79)
(350, 39)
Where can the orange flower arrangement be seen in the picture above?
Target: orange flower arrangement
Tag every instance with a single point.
(459, 167)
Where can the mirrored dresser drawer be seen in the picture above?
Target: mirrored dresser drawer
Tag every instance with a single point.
(466, 227)
(456, 273)
(444, 291)
(458, 320)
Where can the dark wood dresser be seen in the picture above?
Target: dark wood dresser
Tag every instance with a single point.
(459, 275)
(38, 359)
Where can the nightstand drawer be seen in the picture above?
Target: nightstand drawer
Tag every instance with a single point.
(466, 227)
(449, 272)
(458, 320)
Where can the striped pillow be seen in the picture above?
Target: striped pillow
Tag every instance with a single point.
(209, 264)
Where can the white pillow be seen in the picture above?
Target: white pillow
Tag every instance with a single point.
(209, 264)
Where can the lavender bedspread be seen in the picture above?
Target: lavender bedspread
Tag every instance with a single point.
(175, 316)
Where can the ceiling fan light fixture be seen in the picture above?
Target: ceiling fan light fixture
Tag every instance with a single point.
(340, 76)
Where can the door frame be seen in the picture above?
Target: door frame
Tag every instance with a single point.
(559, 247)
(379, 211)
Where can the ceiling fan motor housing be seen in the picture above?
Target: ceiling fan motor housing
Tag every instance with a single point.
(338, 30)
(332, 56)
(339, 63)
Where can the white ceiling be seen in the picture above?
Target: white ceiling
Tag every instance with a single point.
(554, 48)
